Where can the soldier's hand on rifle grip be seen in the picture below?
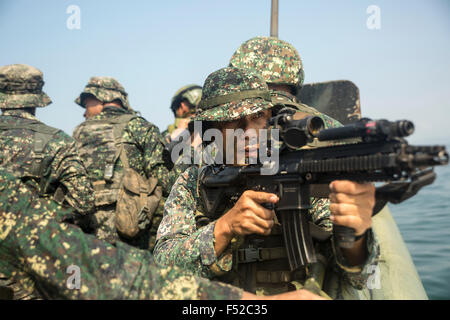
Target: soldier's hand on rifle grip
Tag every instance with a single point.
(352, 205)
(248, 216)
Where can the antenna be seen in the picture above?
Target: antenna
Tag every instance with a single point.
(274, 19)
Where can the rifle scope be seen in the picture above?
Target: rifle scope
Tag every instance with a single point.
(297, 133)
(368, 129)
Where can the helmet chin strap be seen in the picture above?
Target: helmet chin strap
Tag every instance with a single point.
(112, 104)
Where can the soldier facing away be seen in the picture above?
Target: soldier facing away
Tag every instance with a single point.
(112, 140)
(216, 249)
(44, 158)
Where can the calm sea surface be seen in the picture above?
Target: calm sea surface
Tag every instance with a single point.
(424, 222)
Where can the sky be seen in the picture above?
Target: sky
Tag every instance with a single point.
(153, 48)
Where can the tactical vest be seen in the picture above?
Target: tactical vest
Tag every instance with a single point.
(40, 160)
(135, 197)
(260, 263)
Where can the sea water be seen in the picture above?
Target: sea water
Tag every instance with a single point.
(424, 222)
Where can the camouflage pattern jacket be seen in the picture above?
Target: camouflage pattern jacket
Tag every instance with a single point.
(143, 147)
(44, 253)
(183, 242)
(146, 155)
(65, 167)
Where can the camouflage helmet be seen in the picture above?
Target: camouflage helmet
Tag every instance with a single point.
(232, 93)
(21, 87)
(105, 89)
(192, 93)
(277, 61)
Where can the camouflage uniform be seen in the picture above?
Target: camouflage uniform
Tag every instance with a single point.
(191, 93)
(186, 235)
(39, 249)
(20, 87)
(43, 157)
(144, 150)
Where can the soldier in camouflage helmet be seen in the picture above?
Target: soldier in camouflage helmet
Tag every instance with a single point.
(104, 89)
(45, 158)
(279, 63)
(40, 250)
(183, 106)
(114, 138)
(216, 249)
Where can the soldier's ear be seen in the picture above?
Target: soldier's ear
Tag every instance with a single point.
(185, 107)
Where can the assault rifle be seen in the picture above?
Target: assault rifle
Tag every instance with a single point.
(377, 152)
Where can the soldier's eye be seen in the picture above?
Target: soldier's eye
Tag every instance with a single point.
(257, 115)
